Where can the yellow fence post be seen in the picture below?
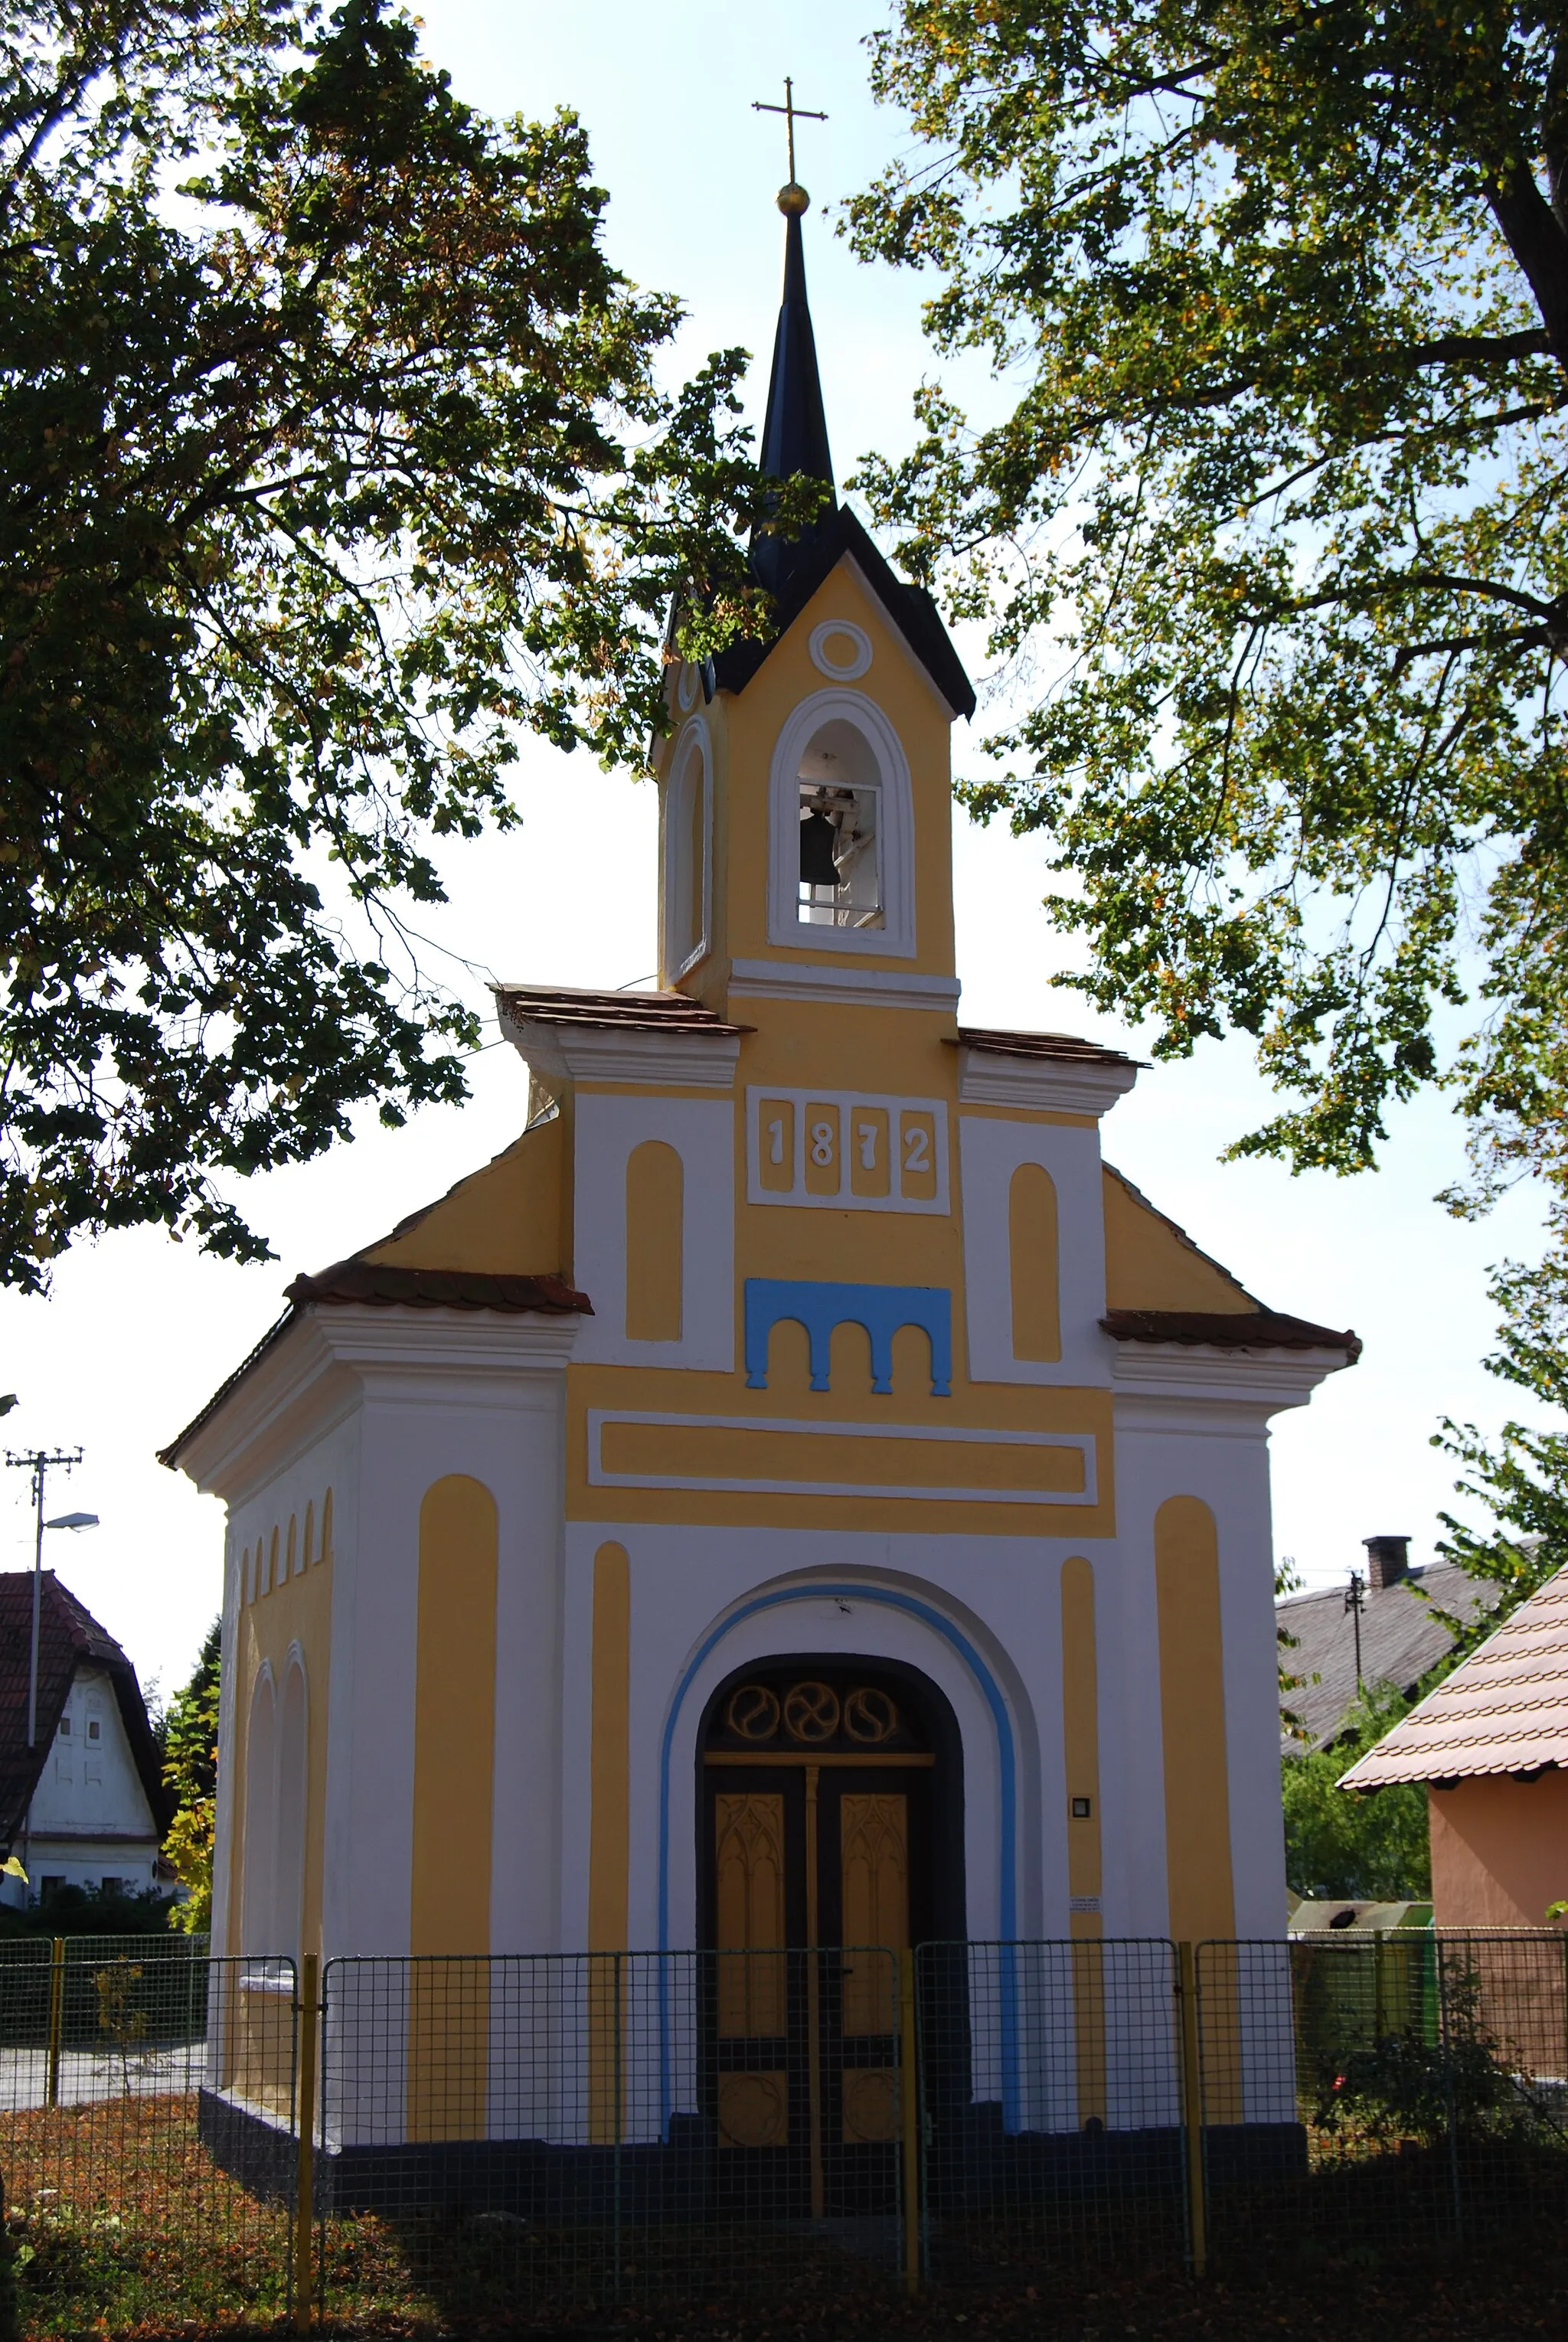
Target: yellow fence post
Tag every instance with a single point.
(56, 2015)
(305, 2010)
(1192, 2105)
(907, 2054)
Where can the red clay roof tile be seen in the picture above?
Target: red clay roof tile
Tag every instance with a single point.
(643, 1012)
(1503, 1710)
(384, 1284)
(1243, 1329)
(1063, 1047)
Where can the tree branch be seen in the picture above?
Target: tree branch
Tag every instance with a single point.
(1452, 349)
(1427, 581)
(1521, 639)
(1538, 243)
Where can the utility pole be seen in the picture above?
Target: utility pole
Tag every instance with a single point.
(40, 1462)
(1355, 1597)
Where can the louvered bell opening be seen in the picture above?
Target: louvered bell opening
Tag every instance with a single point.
(817, 840)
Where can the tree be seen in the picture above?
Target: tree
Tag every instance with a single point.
(1368, 1847)
(1288, 1579)
(1337, 1843)
(1279, 298)
(320, 479)
(1522, 1479)
(190, 1770)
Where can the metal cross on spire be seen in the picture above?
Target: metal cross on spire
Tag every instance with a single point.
(792, 114)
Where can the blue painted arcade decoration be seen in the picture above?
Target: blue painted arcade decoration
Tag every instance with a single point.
(883, 1309)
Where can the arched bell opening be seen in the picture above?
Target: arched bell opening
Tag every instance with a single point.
(830, 1820)
(841, 857)
(841, 829)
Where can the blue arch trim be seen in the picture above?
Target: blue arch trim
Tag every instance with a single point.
(1007, 1897)
(1007, 1766)
(883, 1309)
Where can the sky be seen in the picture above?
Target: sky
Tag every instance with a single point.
(138, 1331)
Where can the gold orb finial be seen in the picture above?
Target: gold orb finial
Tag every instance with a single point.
(792, 199)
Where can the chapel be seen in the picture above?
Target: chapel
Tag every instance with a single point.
(799, 1493)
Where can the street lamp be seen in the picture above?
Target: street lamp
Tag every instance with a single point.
(38, 1461)
(64, 1521)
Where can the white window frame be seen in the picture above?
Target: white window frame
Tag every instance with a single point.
(692, 746)
(894, 939)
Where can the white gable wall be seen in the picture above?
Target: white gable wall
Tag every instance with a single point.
(90, 1819)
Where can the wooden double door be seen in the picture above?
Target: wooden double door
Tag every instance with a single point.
(816, 1824)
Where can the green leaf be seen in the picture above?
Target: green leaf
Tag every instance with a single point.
(316, 495)
(1278, 308)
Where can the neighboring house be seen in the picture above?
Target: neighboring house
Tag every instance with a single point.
(1402, 1637)
(1490, 1743)
(86, 1805)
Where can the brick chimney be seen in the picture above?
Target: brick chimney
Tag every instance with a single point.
(1387, 1561)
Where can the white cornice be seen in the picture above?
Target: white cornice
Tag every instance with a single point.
(1040, 1085)
(1188, 1386)
(563, 1055)
(856, 988)
(338, 1353)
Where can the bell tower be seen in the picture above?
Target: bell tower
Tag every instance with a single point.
(805, 809)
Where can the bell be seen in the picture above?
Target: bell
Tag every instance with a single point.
(817, 840)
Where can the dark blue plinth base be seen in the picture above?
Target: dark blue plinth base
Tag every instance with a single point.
(973, 2166)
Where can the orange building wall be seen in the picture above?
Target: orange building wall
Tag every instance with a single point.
(1499, 1850)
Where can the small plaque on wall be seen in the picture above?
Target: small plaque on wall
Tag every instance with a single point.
(847, 1150)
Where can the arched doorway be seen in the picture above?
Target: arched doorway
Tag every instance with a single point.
(830, 1811)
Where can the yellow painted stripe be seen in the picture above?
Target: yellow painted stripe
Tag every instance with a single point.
(1193, 1721)
(1081, 1758)
(1032, 1239)
(453, 1800)
(609, 1834)
(655, 1193)
(609, 1838)
(1081, 1734)
(732, 1452)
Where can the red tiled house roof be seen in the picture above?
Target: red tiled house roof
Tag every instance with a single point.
(1503, 1710)
(69, 1636)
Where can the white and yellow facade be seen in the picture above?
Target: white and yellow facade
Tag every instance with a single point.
(804, 1333)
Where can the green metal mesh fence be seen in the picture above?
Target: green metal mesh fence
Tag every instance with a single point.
(498, 2138)
(595, 2130)
(1051, 2108)
(121, 2062)
(1394, 2093)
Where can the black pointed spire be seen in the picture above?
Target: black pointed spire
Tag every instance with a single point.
(794, 435)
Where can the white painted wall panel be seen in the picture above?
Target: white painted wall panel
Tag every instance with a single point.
(702, 1132)
(989, 1152)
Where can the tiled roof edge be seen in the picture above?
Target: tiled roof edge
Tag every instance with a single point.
(1062, 1047)
(385, 1285)
(170, 1455)
(638, 1012)
(1242, 1329)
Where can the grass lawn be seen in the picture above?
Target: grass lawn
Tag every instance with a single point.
(122, 2225)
